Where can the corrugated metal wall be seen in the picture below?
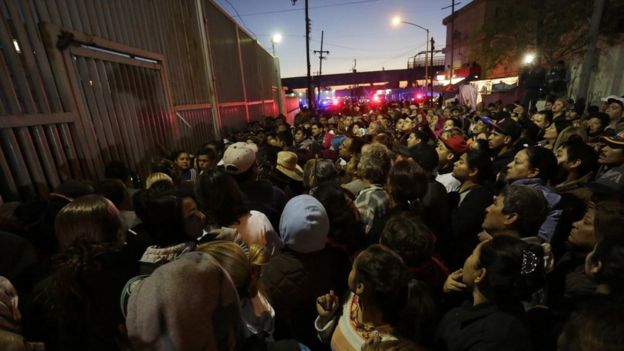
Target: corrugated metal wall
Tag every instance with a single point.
(85, 82)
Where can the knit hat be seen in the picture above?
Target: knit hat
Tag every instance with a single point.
(287, 164)
(304, 224)
(187, 304)
(239, 157)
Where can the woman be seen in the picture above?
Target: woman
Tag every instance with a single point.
(536, 167)
(245, 268)
(223, 204)
(77, 307)
(499, 274)
(474, 171)
(383, 303)
(182, 161)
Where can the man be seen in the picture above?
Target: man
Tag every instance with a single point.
(544, 120)
(559, 109)
(239, 160)
(302, 141)
(615, 110)
(317, 132)
(577, 163)
(449, 150)
(611, 153)
(518, 211)
(502, 141)
(207, 158)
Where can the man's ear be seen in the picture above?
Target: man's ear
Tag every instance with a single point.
(510, 218)
(507, 140)
(473, 172)
(595, 267)
(481, 276)
(576, 163)
(450, 156)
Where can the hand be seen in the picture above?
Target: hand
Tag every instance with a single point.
(454, 282)
(326, 305)
(484, 236)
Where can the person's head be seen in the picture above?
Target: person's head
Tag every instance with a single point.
(543, 119)
(220, 197)
(117, 170)
(160, 210)
(532, 162)
(316, 129)
(194, 219)
(612, 151)
(450, 149)
(304, 224)
(407, 235)
(301, 134)
(474, 165)
(576, 156)
(182, 159)
(92, 219)
(379, 277)
(608, 219)
(615, 108)
(605, 264)
(207, 158)
(318, 171)
(243, 268)
(407, 183)
(374, 164)
(505, 270)
(519, 210)
(583, 233)
(416, 137)
(344, 149)
(504, 134)
(284, 139)
(191, 293)
(560, 106)
(115, 190)
(451, 123)
(597, 326)
(597, 122)
(157, 178)
(342, 220)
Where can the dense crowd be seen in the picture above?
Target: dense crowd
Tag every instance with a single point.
(392, 227)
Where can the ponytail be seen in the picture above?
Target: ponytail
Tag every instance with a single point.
(415, 320)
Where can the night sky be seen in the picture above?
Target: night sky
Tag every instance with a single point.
(358, 29)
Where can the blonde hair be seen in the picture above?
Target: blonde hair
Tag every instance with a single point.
(157, 177)
(244, 269)
(569, 133)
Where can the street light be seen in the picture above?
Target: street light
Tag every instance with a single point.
(277, 38)
(529, 58)
(396, 21)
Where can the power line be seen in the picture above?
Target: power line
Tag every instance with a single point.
(241, 19)
(394, 58)
(312, 7)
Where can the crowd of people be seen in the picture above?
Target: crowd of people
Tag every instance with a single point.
(389, 227)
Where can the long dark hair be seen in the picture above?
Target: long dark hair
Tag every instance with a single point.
(406, 303)
(220, 197)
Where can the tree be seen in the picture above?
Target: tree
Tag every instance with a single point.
(555, 29)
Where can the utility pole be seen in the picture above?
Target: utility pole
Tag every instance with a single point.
(321, 58)
(308, 24)
(452, 39)
(431, 80)
(588, 61)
